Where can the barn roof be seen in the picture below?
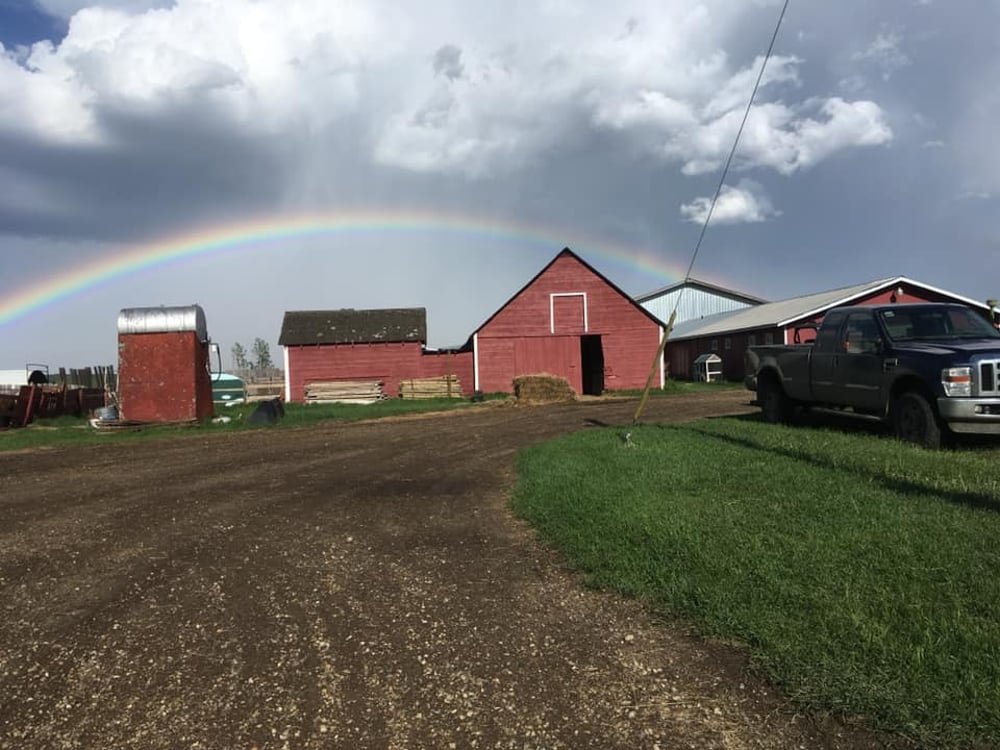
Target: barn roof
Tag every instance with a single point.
(566, 252)
(786, 312)
(350, 326)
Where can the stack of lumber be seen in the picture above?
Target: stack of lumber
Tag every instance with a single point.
(443, 386)
(344, 391)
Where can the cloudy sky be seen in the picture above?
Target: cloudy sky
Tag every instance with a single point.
(508, 128)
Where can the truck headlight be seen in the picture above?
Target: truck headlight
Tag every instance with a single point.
(957, 381)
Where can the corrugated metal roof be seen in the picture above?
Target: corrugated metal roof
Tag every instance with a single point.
(785, 312)
(163, 320)
(706, 286)
(350, 326)
(691, 304)
(782, 312)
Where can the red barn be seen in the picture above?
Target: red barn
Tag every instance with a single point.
(569, 320)
(383, 345)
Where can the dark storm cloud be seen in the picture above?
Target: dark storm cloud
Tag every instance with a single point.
(162, 172)
(448, 62)
(602, 120)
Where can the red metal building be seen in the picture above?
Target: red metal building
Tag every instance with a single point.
(729, 334)
(382, 345)
(163, 368)
(569, 320)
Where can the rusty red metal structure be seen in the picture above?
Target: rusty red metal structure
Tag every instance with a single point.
(163, 364)
(46, 401)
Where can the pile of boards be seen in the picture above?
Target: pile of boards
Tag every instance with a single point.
(344, 391)
(443, 386)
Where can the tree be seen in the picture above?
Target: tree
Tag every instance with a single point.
(239, 355)
(262, 355)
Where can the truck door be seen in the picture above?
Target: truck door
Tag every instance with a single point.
(860, 375)
(826, 355)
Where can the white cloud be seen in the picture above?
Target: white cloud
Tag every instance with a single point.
(443, 88)
(745, 203)
(41, 95)
(781, 137)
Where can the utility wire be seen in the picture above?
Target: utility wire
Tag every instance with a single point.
(711, 210)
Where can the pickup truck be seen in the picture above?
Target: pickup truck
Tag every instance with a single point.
(927, 369)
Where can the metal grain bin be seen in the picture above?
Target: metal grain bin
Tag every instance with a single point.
(164, 320)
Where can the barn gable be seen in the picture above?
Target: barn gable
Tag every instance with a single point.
(694, 299)
(568, 320)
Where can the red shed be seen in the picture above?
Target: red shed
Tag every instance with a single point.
(569, 320)
(382, 345)
(163, 373)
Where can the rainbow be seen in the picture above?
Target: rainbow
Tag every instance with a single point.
(265, 230)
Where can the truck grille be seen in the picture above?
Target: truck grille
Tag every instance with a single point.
(988, 374)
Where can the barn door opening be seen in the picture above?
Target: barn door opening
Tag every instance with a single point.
(592, 360)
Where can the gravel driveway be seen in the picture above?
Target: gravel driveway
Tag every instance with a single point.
(343, 586)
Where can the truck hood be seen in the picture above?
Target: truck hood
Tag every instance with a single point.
(968, 347)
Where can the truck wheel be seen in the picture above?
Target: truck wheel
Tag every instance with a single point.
(774, 404)
(914, 421)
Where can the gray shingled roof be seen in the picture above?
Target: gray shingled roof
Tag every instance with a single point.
(785, 312)
(350, 326)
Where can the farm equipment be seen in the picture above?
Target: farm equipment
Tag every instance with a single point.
(21, 404)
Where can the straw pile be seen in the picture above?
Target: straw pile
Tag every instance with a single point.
(542, 388)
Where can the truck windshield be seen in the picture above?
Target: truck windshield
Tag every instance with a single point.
(909, 324)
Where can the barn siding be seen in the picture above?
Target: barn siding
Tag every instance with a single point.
(518, 339)
(503, 359)
(162, 377)
(435, 364)
(389, 363)
(386, 362)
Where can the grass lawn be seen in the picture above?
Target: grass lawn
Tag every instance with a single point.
(75, 430)
(43, 432)
(861, 573)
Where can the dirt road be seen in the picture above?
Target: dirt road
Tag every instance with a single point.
(341, 586)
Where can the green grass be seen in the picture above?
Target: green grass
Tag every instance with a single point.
(671, 387)
(862, 574)
(71, 430)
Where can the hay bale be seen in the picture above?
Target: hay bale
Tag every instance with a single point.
(542, 388)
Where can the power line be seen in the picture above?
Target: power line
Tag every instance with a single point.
(736, 142)
(708, 216)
